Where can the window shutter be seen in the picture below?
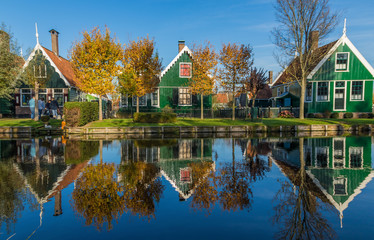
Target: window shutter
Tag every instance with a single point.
(175, 96)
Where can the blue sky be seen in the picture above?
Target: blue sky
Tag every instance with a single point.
(167, 21)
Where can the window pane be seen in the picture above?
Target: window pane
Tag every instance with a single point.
(185, 70)
(308, 93)
(357, 89)
(341, 61)
(322, 91)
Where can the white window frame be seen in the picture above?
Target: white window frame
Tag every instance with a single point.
(336, 62)
(188, 63)
(345, 95)
(345, 185)
(21, 93)
(140, 105)
(158, 98)
(333, 151)
(363, 91)
(328, 157)
(63, 96)
(124, 97)
(362, 156)
(328, 92)
(179, 94)
(311, 97)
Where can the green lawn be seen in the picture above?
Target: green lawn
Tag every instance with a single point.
(228, 122)
(25, 122)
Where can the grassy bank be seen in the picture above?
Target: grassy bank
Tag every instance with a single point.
(228, 122)
(25, 122)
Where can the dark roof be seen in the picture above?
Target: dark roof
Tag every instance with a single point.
(221, 98)
(293, 68)
(64, 66)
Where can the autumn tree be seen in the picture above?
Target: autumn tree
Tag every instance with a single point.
(95, 61)
(256, 81)
(203, 80)
(37, 74)
(10, 62)
(299, 19)
(236, 61)
(141, 69)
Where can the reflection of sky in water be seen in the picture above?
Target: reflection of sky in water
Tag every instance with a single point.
(175, 218)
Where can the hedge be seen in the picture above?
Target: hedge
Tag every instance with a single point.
(155, 117)
(80, 113)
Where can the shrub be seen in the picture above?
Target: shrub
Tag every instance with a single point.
(348, 115)
(370, 115)
(363, 115)
(286, 114)
(44, 118)
(334, 115)
(326, 114)
(310, 115)
(155, 117)
(167, 109)
(318, 115)
(80, 113)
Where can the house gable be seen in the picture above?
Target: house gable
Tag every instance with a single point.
(170, 76)
(358, 67)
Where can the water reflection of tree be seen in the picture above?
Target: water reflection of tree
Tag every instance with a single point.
(298, 212)
(11, 195)
(97, 195)
(142, 188)
(257, 166)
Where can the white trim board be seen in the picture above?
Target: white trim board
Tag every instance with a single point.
(343, 40)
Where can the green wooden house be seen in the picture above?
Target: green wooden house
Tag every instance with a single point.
(173, 90)
(61, 83)
(338, 168)
(341, 81)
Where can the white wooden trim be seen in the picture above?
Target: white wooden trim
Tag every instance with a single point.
(336, 60)
(345, 95)
(344, 39)
(333, 151)
(328, 92)
(188, 63)
(363, 91)
(185, 49)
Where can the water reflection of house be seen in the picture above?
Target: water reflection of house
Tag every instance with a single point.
(340, 167)
(173, 157)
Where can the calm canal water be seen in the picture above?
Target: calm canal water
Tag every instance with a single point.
(319, 188)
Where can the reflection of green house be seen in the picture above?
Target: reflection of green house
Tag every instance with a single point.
(175, 159)
(340, 167)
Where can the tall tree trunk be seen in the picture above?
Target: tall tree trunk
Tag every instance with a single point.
(202, 107)
(302, 98)
(36, 116)
(137, 104)
(101, 151)
(100, 108)
(233, 105)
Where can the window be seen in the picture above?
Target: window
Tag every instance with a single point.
(25, 97)
(185, 150)
(278, 91)
(341, 62)
(323, 91)
(355, 157)
(58, 94)
(340, 186)
(309, 92)
(155, 98)
(285, 88)
(185, 175)
(124, 100)
(40, 71)
(184, 98)
(339, 153)
(43, 94)
(357, 90)
(185, 70)
(308, 155)
(322, 157)
(142, 100)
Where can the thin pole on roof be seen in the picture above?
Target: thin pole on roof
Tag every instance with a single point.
(36, 34)
(345, 27)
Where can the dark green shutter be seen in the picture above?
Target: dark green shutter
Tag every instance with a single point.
(175, 96)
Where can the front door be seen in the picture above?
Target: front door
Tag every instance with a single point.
(339, 103)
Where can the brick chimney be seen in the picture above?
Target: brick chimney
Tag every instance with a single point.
(270, 77)
(181, 44)
(54, 37)
(313, 40)
(4, 40)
